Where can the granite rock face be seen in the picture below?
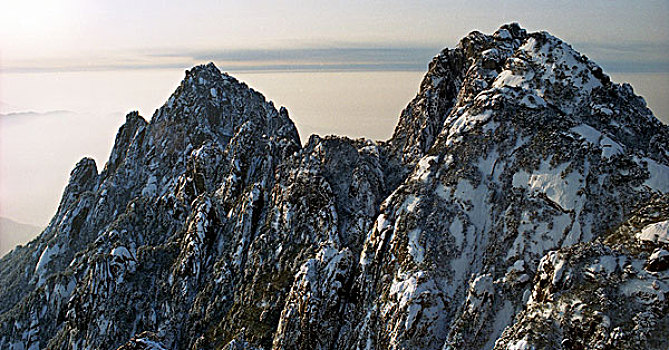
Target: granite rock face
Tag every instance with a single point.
(521, 203)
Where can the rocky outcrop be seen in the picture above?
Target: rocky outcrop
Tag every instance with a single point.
(521, 199)
(537, 153)
(607, 294)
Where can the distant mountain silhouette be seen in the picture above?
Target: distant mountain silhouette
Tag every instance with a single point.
(13, 233)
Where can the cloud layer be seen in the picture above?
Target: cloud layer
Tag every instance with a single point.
(630, 57)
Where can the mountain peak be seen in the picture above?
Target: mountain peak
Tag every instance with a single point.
(214, 102)
(209, 67)
(531, 70)
(521, 186)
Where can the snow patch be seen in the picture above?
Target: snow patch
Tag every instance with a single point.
(521, 344)
(503, 318)
(646, 290)
(658, 179)
(607, 265)
(479, 290)
(409, 204)
(382, 223)
(442, 192)
(44, 259)
(122, 252)
(416, 297)
(657, 232)
(587, 132)
(593, 136)
(423, 169)
(466, 122)
(456, 231)
(508, 78)
(610, 148)
(549, 180)
(532, 100)
(415, 248)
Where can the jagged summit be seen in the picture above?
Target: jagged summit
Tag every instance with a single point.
(215, 100)
(523, 198)
(536, 70)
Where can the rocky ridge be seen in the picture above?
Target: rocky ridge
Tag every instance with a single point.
(522, 199)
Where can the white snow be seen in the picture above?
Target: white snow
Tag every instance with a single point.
(442, 191)
(481, 286)
(473, 203)
(490, 126)
(486, 163)
(520, 345)
(17, 346)
(103, 324)
(456, 231)
(602, 109)
(461, 266)
(503, 318)
(563, 59)
(532, 100)
(122, 252)
(44, 259)
(574, 235)
(536, 237)
(518, 266)
(415, 248)
(658, 253)
(559, 270)
(610, 147)
(404, 288)
(150, 344)
(549, 181)
(657, 232)
(409, 204)
(490, 53)
(423, 170)
(508, 78)
(587, 132)
(477, 208)
(466, 122)
(607, 265)
(645, 289)
(414, 295)
(659, 176)
(61, 292)
(593, 136)
(382, 223)
(606, 111)
(558, 265)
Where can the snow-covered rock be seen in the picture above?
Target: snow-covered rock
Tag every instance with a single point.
(521, 199)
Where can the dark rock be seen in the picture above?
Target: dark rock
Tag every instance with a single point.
(504, 212)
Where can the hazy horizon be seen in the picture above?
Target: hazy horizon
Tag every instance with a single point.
(78, 35)
(78, 114)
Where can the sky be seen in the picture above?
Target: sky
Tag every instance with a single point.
(71, 69)
(41, 35)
